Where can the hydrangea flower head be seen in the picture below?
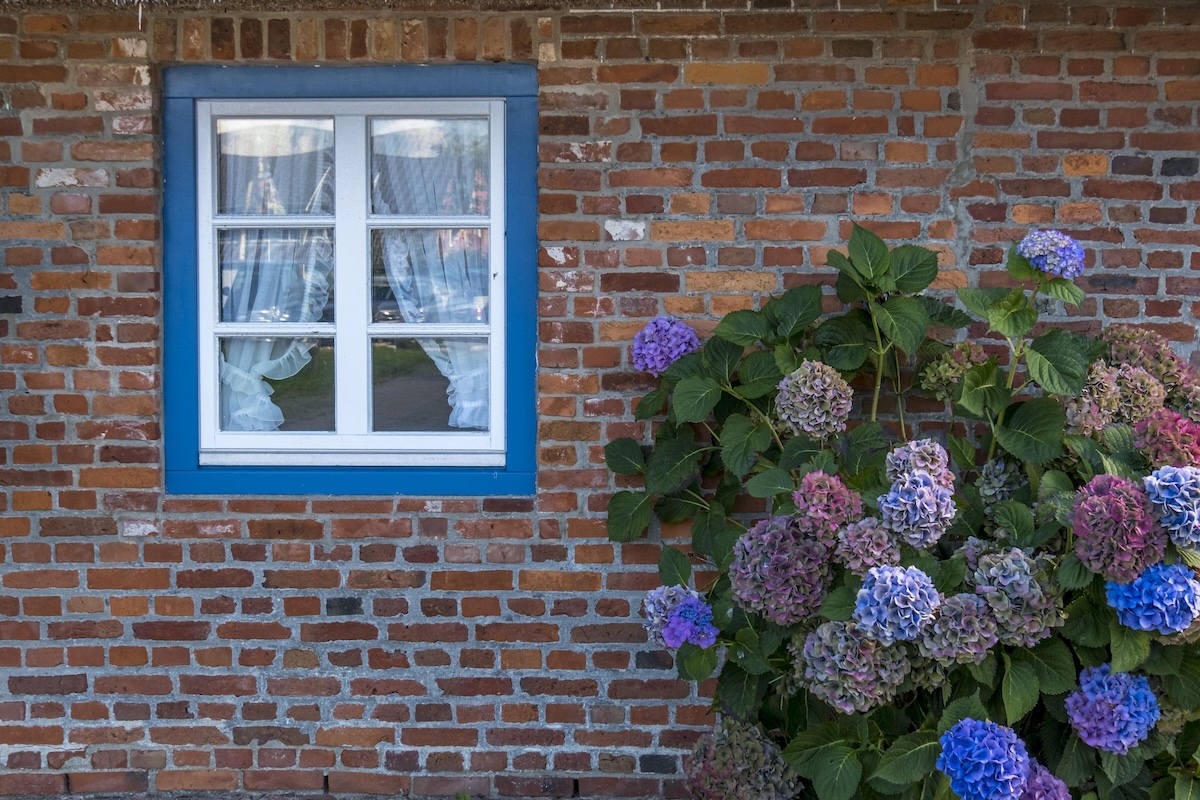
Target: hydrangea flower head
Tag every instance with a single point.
(1115, 532)
(999, 479)
(1176, 490)
(1098, 404)
(1052, 252)
(941, 375)
(737, 761)
(918, 508)
(895, 603)
(1020, 596)
(865, 544)
(824, 504)
(984, 761)
(1152, 352)
(1112, 712)
(926, 455)
(847, 669)
(814, 400)
(662, 606)
(690, 621)
(779, 571)
(1140, 393)
(661, 343)
(963, 631)
(1042, 785)
(1167, 438)
(1163, 598)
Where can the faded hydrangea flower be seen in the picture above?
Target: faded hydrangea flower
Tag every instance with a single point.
(1115, 534)
(865, 544)
(895, 603)
(814, 401)
(1052, 252)
(661, 343)
(1021, 597)
(1043, 785)
(847, 669)
(925, 455)
(1097, 405)
(998, 481)
(1163, 598)
(1168, 439)
(944, 373)
(1112, 712)
(824, 504)
(778, 571)
(963, 631)
(973, 549)
(1177, 491)
(1150, 351)
(984, 761)
(737, 761)
(918, 508)
(1141, 394)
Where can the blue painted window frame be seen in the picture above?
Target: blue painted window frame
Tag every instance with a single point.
(182, 87)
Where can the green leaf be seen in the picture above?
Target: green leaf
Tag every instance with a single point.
(913, 268)
(714, 536)
(960, 709)
(903, 321)
(747, 652)
(1019, 266)
(689, 366)
(770, 483)
(624, 457)
(743, 327)
(1052, 662)
(797, 308)
(1019, 689)
(848, 288)
(983, 388)
(628, 515)
(758, 374)
(1078, 762)
(839, 603)
(810, 742)
(910, 758)
(844, 341)
(842, 264)
(721, 357)
(1085, 626)
(1034, 433)
(1184, 685)
(1014, 517)
(673, 463)
(1064, 290)
(1072, 574)
(674, 508)
(741, 441)
(1120, 769)
(949, 574)
(985, 672)
(1187, 788)
(738, 689)
(695, 663)
(1057, 362)
(1012, 317)
(868, 253)
(651, 405)
(674, 568)
(962, 451)
(1129, 647)
(980, 301)
(943, 314)
(835, 773)
(861, 443)
(695, 399)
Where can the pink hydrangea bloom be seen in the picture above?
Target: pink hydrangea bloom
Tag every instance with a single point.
(1116, 534)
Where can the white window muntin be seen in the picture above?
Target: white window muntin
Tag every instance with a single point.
(352, 222)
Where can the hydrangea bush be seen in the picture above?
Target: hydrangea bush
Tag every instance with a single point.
(999, 608)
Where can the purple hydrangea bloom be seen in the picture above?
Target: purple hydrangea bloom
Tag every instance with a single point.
(814, 400)
(1042, 785)
(918, 508)
(659, 605)
(690, 621)
(1163, 598)
(1115, 534)
(865, 544)
(925, 455)
(895, 603)
(779, 571)
(1167, 438)
(849, 670)
(984, 761)
(661, 343)
(1177, 490)
(737, 761)
(1112, 712)
(824, 504)
(963, 631)
(1020, 595)
(1052, 252)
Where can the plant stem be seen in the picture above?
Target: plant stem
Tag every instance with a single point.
(899, 397)
(879, 354)
(758, 412)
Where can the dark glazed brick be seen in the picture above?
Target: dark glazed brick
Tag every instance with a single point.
(1179, 167)
(343, 606)
(658, 764)
(853, 48)
(10, 305)
(222, 39)
(653, 659)
(1133, 165)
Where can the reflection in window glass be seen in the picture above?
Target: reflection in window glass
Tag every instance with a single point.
(426, 167)
(274, 166)
(276, 384)
(276, 275)
(429, 384)
(430, 275)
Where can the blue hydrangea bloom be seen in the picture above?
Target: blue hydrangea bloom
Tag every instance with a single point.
(984, 761)
(661, 343)
(662, 607)
(918, 508)
(1177, 491)
(690, 621)
(895, 603)
(1112, 712)
(1052, 252)
(1163, 598)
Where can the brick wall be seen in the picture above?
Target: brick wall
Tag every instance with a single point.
(693, 161)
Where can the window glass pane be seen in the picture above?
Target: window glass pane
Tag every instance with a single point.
(276, 384)
(276, 275)
(429, 166)
(429, 384)
(275, 166)
(430, 275)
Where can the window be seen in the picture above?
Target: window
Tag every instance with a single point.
(349, 279)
